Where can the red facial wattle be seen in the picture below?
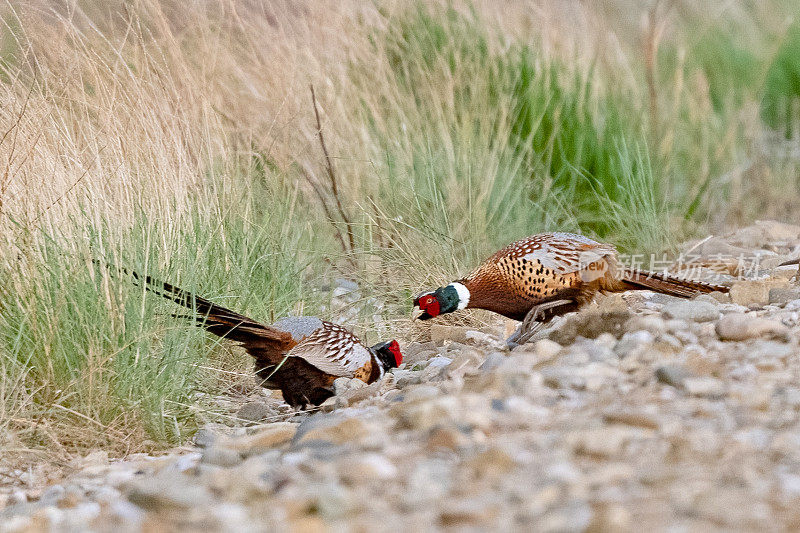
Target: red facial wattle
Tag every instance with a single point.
(394, 347)
(430, 305)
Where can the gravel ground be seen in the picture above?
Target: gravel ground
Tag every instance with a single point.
(642, 412)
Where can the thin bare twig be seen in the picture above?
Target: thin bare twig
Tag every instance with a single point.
(4, 181)
(332, 176)
(325, 207)
(655, 29)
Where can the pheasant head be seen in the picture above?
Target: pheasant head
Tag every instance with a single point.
(388, 353)
(443, 300)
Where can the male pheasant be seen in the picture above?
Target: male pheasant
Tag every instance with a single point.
(301, 356)
(546, 275)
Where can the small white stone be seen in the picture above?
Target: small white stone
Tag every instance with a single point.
(704, 386)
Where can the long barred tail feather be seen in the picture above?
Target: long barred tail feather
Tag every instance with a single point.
(667, 284)
(214, 318)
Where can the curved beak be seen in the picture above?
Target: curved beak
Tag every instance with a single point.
(422, 316)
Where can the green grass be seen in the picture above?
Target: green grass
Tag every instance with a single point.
(497, 142)
(780, 105)
(90, 346)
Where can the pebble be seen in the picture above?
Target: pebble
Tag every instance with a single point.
(603, 442)
(404, 378)
(754, 292)
(338, 429)
(221, 456)
(739, 327)
(631, 417)
(546, 349)
(780, 295)
(368, 467)
(343, 385)
(672, 375)
(652, 323)
(691, 310)
(493, 361)
(255, 411)
(567, 433)
(704, 386)
(165, 493)
(272, 436)
(438, 363)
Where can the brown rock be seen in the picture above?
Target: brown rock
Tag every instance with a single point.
(273, 436)
(446, 437)
(754, 292)
(463, 513)
(631, 418)
(492, 464)
(336, 429)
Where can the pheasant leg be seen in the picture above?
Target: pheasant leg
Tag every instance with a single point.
(532, 323)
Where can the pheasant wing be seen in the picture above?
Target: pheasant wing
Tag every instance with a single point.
(565, 253)
(333, 350)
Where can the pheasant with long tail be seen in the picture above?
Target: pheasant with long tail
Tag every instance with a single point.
(547, 275)
(300, 356)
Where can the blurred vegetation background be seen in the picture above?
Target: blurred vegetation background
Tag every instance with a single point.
(181, 139)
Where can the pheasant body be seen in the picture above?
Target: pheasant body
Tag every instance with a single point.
(549, 268)
(301, 356)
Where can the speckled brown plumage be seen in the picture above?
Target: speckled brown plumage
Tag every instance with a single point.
(560, 266)
(301, 356)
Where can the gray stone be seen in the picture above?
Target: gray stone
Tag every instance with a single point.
(416, 352)
(562, 378)
(652, 323)
(404, 378)
(339, 427)
(439, 363)
(436, 369)
(672, 375)
(344, 385)
(346, 284)
(271, 436)
(219, 456)
(780, 295)
(764, 349)
(493, 361)
(546, 349)
(734, 327)
(631, 341)
(205, 437)
(255, 411)
(52, 494)
(422, 392)
(691, 310)
(163, 493)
